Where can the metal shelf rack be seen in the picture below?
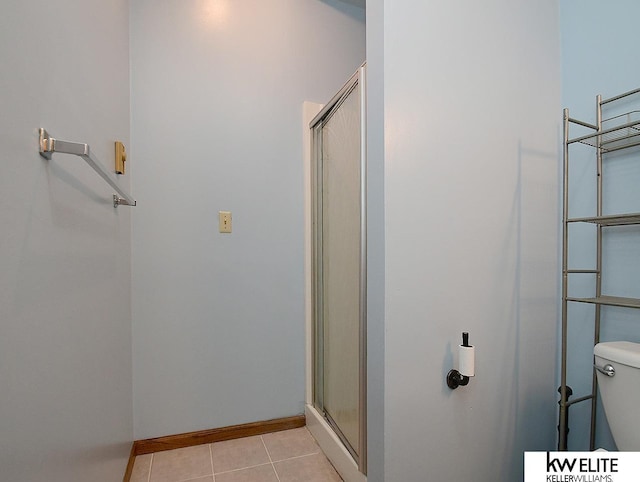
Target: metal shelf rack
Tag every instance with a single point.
(607, 135)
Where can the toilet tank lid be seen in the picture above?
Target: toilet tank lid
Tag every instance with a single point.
(624, 352)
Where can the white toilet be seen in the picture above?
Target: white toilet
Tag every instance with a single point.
(618, 367)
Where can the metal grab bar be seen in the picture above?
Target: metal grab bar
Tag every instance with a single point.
(49, 145)
(607, 370)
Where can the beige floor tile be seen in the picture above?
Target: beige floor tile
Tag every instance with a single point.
(238, 454)
(181, 464)
(208, 478)
(141, 468)
(290, 443)
(261, 473)
(310, 468)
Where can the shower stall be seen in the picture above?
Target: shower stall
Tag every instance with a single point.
(338, 277)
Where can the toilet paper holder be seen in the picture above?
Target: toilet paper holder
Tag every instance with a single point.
(466, 365)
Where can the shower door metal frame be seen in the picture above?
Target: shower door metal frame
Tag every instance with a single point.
(358, 79)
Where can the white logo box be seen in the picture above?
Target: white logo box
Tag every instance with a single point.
(598, 466)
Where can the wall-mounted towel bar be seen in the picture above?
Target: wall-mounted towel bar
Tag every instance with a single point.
(49, 145)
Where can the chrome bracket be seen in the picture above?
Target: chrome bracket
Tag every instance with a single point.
(117, 201)
(48, 145)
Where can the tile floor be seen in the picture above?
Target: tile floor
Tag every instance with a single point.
(287, 456)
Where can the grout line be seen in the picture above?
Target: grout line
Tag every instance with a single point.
(244, 468)
(297, 457)
(273, 467)
(265, 448)
(213, 472)
(150, 467)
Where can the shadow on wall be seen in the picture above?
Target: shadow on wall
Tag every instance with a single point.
(527, 337)
(352, 8)
(528, 340)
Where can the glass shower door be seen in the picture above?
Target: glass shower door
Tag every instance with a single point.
(339, 267)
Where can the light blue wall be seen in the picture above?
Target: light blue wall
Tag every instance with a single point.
(65, 291)
(375, 240)
(599, 56)
(218, 88)
(471, 102)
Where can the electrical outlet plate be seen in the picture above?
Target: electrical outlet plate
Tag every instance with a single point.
(224, 221)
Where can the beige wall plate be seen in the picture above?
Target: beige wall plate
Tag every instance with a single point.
(224, 221)
(121, 157)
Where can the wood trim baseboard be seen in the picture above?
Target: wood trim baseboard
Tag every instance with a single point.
(170, 442)
(132, 459)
